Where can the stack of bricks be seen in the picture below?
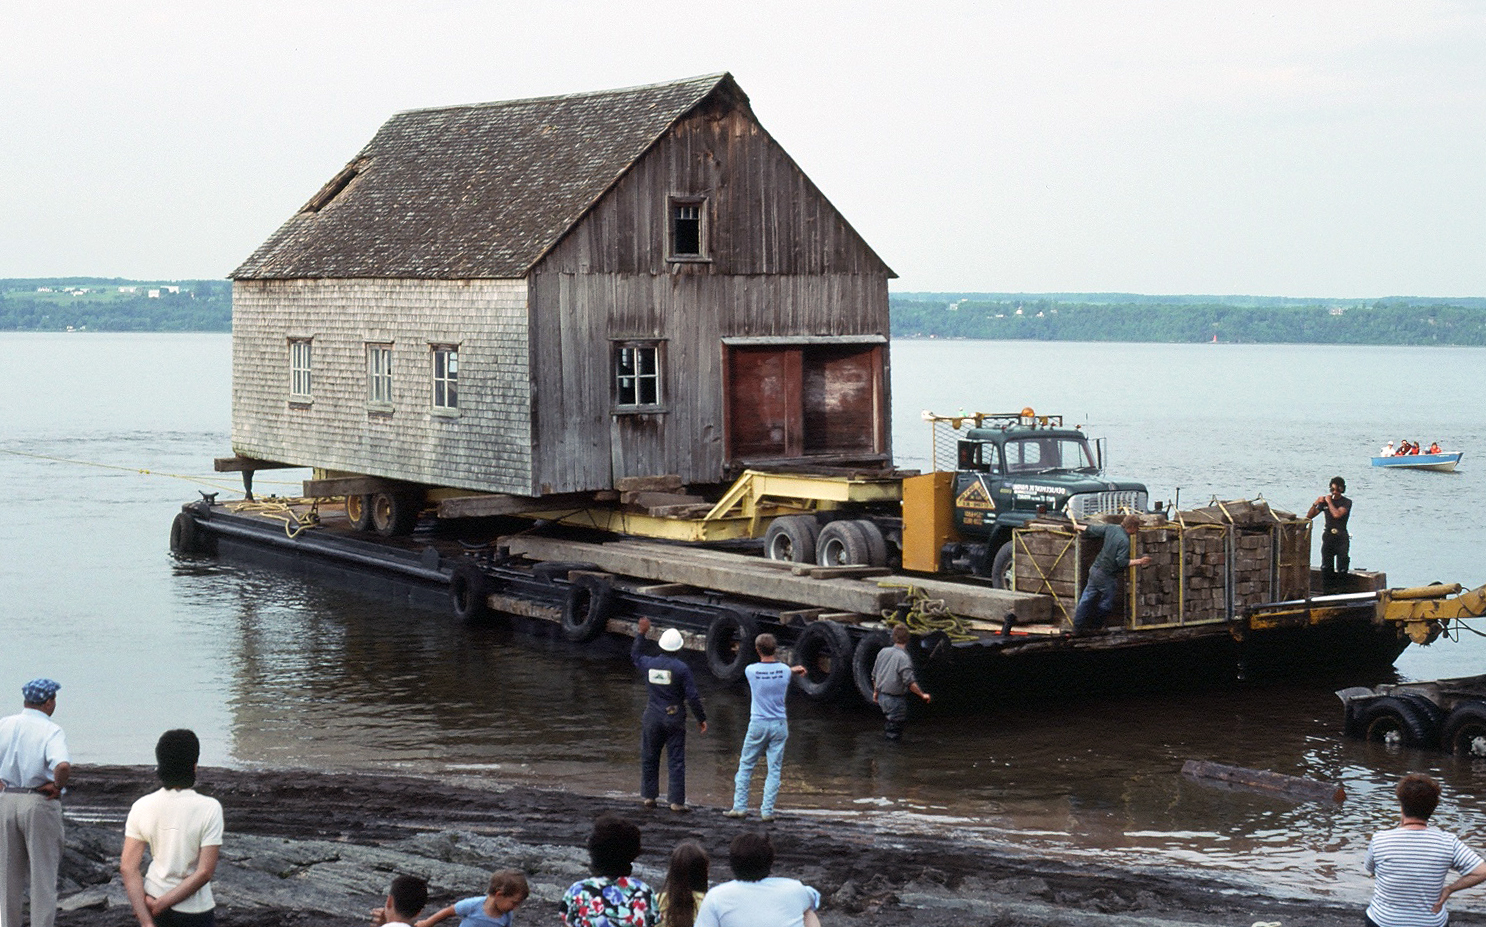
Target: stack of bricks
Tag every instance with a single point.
(1187, 577)
(1050, 558)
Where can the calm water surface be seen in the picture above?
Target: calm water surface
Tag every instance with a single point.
(102, 437)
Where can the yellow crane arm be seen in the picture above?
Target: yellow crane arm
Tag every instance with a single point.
(1423, 609)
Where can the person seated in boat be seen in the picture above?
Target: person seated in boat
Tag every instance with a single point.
(1434, 448)
(1413, 447)
(1387, 450)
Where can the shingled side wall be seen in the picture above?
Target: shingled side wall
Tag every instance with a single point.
(486, 446)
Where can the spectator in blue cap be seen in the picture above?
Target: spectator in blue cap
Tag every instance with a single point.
(33, 772)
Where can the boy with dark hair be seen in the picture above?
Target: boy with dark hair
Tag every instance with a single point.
(508, 888)
(755, 897)
(183, 831)
(1410, 862)
(405, 899)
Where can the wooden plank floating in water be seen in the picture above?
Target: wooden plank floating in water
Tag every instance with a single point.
(1260, 780)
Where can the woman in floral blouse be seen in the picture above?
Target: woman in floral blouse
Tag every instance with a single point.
(611, 897)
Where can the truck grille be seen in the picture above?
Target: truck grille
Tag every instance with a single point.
(1086, 504)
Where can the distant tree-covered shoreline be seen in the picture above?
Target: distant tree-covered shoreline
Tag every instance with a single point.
(114, 304)
(1165, 319)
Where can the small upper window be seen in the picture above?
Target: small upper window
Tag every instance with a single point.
(379, 372)
(688, 227)
(299, 368)
(445, 376)
(637, 374)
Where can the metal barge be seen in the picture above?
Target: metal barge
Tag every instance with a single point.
(972, 641)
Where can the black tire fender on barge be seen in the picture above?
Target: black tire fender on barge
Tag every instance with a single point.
(186, 538)
(730, 646)
(586, 609)
(469, 591)
(824, 648)
(865, 659)
(1393, 721)
(1464, 733)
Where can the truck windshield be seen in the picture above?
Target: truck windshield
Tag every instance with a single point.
(1030, 455)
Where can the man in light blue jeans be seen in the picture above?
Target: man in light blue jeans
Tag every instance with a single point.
(768, 679)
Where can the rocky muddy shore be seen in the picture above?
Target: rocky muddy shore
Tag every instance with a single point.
(320, 848)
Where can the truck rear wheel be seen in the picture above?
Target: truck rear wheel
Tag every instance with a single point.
(1465, 730)
(842, 543)
(791, 538)
(824, 649)
(876, 543)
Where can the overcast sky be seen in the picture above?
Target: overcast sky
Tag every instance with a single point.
(1277, 148)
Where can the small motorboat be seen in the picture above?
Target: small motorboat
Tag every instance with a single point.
(1443, 462)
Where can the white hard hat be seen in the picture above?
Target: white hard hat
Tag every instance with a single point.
(670, 640)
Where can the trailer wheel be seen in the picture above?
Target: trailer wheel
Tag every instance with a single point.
(791, 538)
(186, 537)
(1393, 721)
(585, 609)
(469, 590)
(730, 647)
(1465, 730)
(876, 543)
(842, 543)
(549, 571)
(359, 512)
(865, 659)
(824, 649)
(395, 514)
(1431, 714)
(1002, 575)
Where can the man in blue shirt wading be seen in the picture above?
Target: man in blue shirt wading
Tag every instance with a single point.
(671, 688)
(768, 679)
(1104, 576)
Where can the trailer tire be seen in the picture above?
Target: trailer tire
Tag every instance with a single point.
(1465, 730)
(791, 539)
(730, 647)
(842, 543)
(585, 609)
(1393, 721)
(469, 591)
(876, 543)
(394, 513)
(359, 512)
(1001, 568)
(864, 660)
(1431, 714)
(824, 649)
(549, 571)
(186, 537)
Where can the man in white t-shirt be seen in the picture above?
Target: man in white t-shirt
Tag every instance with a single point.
(755, 897)
(183, 832)
(768, 728)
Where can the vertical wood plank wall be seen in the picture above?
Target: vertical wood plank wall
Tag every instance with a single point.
(783, 262)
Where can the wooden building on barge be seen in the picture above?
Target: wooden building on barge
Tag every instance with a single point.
(550, 295)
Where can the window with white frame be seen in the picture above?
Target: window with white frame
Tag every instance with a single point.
(446, 376)
(688, 232)
(637, 375)
(299, 368)
(379, 373)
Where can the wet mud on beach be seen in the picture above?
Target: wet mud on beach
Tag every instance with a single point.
(319, 848)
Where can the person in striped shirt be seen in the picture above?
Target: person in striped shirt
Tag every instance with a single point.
(1410, 862)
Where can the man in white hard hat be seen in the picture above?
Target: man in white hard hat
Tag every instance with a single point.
(663, 726)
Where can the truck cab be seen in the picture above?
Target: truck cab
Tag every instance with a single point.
(1011, 468)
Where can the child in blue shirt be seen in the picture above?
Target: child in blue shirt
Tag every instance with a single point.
(508, 889)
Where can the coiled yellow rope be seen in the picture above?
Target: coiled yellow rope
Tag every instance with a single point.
(925, 615)
(282, 510)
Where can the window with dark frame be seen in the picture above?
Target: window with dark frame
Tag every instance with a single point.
(299, 368)
(687, 228)
(637, 375)
(379, 373)
(445, 376)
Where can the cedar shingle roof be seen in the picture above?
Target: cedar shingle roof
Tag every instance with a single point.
(475, 191)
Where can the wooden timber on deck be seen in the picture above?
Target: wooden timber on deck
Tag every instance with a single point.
(768, 579)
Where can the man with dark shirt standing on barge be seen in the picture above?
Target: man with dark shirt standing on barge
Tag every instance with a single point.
(1103, 585)
(1336, 544)
(671, 688)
